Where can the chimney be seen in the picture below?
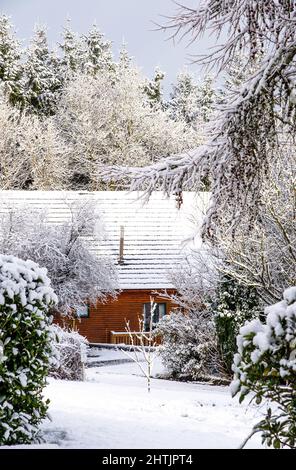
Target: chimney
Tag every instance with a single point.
(121, 246)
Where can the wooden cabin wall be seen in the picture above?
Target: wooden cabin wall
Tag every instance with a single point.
(112, 315)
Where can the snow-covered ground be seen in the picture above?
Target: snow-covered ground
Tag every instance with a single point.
(113, 409)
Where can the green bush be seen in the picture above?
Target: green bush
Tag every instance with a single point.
(25, 348)
(234, 305)
(265, 366)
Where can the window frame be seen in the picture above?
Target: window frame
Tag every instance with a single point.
(148, 304)
(83, 316)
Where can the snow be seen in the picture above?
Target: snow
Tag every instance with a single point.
(261, 341)
(277, 337)
(290, 295)
(23, 379)
(113, 410)
(15, 278)
(117, 355)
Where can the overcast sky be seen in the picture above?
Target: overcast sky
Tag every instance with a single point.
(129, 20)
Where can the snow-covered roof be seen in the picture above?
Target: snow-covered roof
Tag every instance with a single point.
(156, 234)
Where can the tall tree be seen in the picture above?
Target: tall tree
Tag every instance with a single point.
(125, 60)
(98, 52)
(183, 99)
(11, 72)
(110, 121)
(43, 75)
(153, 88)
(206, 98)
(73, 51)
(192, 101)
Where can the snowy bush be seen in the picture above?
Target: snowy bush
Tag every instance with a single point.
(265, 365)
(70, 348)
(189, 343)
(76, 272)
(189, 348)
(25, 347)
(234, 305)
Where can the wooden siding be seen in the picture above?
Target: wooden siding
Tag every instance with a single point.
(112, 316)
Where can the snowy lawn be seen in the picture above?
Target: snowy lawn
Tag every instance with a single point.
(113, 409)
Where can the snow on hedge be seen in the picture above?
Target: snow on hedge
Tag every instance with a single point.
(70, 352)
(266, 366)
(270, 338)
(25, 347)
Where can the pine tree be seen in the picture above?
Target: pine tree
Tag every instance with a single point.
(206, 98)
(190, 101)
(183, 99)
(236, 74)
(153, 88)
(43, 75)
(11, 73)
(125, 60)
(122, 67)
(98, 52)
(73, 53)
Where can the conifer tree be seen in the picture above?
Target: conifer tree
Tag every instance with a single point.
(183, 102)
(43, 75)
(72, 49)
(191, 101)
(11, 73)
(125, 60)
(98, 52)
(153, 88)
(206, 98)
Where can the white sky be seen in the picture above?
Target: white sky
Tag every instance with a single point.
(131, 20)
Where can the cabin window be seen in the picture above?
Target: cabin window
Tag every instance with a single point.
(82, 312)
(159, 313)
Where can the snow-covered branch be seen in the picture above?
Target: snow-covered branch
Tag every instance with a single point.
(249, 26)
(170, 175)
(240, 149)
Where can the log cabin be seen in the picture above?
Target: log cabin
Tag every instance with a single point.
(145, 240)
